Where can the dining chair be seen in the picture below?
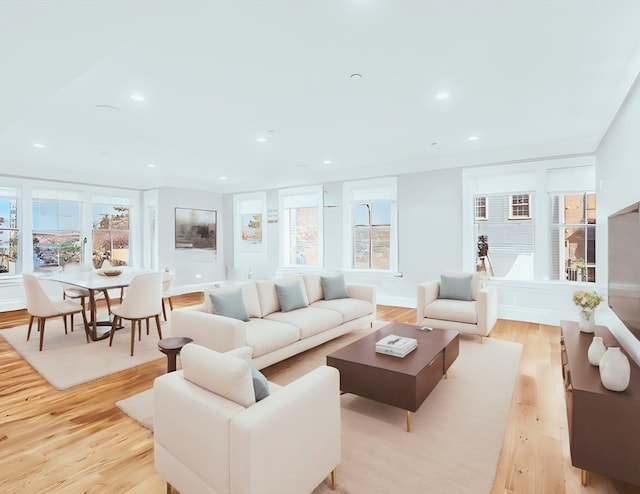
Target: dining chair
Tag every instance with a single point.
(168, 277)
(75, 292)
(142, 302)
(41, 307)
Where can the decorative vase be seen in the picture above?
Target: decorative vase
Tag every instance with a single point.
(615, 370)
(587, 322)
(596, 351)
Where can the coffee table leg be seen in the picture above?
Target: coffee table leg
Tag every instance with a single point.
(408, 421)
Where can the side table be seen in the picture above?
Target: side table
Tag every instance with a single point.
(171, 348)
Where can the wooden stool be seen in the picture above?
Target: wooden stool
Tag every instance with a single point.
(171, 348)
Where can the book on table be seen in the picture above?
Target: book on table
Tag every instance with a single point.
(398, 346)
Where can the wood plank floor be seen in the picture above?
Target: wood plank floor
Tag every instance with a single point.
(77, 441)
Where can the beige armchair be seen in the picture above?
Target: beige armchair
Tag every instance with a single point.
(460, 305)
(210, 435)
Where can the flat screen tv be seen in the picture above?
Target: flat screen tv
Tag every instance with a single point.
(624, 266)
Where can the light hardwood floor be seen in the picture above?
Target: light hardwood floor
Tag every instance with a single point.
(77, 441)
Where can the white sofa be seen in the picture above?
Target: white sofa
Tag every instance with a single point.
(475, 316)
(272, 334)
(210, 436)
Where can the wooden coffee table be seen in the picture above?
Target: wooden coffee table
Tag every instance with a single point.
(400, 382)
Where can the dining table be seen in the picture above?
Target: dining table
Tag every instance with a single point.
(95, 281)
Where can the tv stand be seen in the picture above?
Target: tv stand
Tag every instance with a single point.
(604, 426)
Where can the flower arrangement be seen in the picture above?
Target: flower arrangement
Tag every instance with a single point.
(587, 301)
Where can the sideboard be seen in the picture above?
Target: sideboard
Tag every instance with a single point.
(604, 426)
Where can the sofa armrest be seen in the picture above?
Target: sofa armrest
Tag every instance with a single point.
(427, 293)
(487, 307)
(290, 441)
(362, 292)
(219, 333)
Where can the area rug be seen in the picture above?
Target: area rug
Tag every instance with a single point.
(456, 435)
(67, 360)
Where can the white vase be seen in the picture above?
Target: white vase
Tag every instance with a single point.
(596, 351)
(587, 322)
(615, 370)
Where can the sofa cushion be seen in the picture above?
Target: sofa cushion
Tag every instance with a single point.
(249, 294)
(260, 383)
(333, 287)
(455, 287)
(224, 375)
(313, 287)
(269, 297)
(290, 296)
(310, 320)
(265, 336)
(349, 308)
(230, 304)
(452, 310)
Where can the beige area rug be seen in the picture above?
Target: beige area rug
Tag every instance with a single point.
(456, 436)
(67, 360)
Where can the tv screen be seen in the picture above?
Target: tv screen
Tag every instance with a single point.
(624, 266)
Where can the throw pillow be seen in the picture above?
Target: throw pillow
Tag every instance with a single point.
(260, 383)
(455, 287)
(230, 304)
(333, 287)
(290, 296)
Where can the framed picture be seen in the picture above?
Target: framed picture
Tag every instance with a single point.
(196, 229)
(251, 232)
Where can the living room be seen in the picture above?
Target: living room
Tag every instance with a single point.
(433, 197)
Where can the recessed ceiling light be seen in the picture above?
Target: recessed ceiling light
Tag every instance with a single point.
(355, 76)
(261, 139)
(136, 97)
(473, 138)
(150, 165)
(327, 162)
(38, 145)
(223, 178)
(442, 95)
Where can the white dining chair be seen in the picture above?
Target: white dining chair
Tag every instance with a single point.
(168, 277)
(142, 302)
(41, 307)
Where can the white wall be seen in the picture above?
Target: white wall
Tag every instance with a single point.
(193, 267)
(618, 176)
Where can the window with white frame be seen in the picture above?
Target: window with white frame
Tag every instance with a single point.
(520, 206)
(110, 230)
(301, 226)
(56, 228)
(371, 217)
(481, 207)
(9, 231)
(573, 236)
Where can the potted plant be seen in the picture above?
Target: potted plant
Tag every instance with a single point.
(587, 301)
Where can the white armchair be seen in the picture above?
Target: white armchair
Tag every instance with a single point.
(210, 436)
(474, 312)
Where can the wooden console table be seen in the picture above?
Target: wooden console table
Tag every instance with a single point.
(604, 426)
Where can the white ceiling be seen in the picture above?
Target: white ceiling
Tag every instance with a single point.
(531, 79)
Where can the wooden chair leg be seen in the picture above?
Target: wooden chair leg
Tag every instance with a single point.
(164, 312)
(30, 324)
(41, 322)
(106, 297)
(169, 490)
(121, 293)
(114, 325)
(158, 326)
(133, 334)
(64, 318)
(147, 320)
(170, 303)
(71, 323)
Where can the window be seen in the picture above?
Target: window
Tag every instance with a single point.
(481, 208)
(110, 231)
(9, 232)
(372, 224)
(505, 247)
(573, 236)
(519, 208)
(301, 212)
(56, 229)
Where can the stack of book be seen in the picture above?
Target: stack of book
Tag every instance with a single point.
(398, 346)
